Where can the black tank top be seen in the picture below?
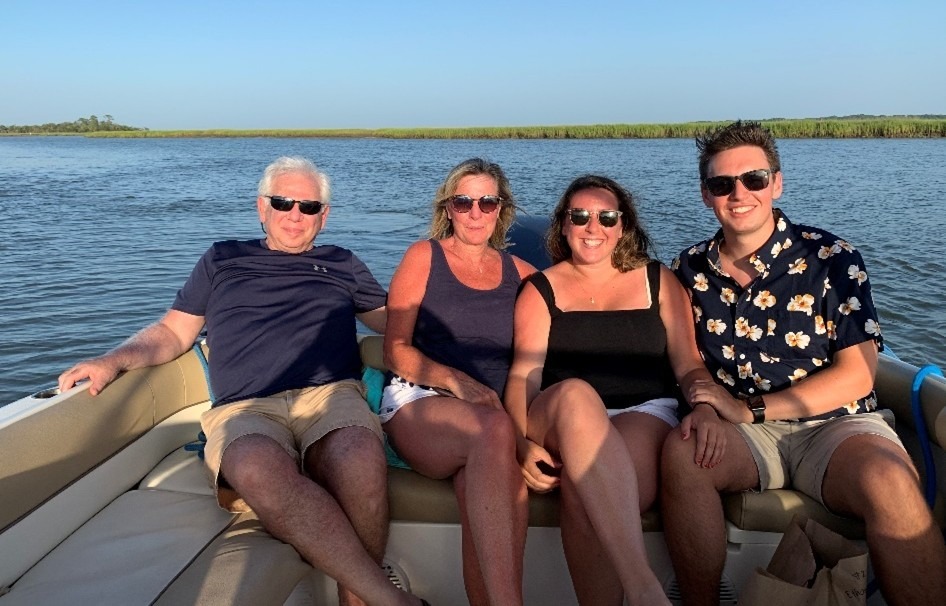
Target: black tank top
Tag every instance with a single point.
(622, 353)
(466, 328)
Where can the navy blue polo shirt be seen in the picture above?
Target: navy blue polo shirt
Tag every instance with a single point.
(276, 320)
(811, 299)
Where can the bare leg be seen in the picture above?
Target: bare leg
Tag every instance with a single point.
(570, 420)
(693, 520)
(473, 583)
(593, 576)
(871, 478)
(298, 511)
(351, 465)
(440, 436)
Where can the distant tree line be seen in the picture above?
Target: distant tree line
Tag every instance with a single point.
(92, 124)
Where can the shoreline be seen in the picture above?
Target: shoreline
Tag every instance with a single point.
(815, 128)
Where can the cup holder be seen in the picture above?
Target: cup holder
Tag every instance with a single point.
(45, 394)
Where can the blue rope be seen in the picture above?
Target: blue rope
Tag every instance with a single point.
(198, 445)
(203, 362)
(920, 422)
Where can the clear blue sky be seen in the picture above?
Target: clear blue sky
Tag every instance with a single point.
(172, 64)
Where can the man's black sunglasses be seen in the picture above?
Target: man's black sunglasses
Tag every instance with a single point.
(306, 207)
(753, 180)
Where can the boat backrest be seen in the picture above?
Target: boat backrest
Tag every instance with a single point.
(893, 386)
(49, 446)
(371, 348)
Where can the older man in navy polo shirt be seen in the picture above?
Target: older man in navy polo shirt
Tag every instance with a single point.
(290, 435)
(786, 324)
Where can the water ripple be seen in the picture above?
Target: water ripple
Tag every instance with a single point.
(100, 234)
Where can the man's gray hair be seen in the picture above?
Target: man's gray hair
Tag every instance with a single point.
(295, 165)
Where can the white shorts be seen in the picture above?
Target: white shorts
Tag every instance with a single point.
(400, 392)
(664, 409)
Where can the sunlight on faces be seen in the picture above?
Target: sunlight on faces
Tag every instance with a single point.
(743, 212)
(474, 227)
(591, 243)
(291, 231)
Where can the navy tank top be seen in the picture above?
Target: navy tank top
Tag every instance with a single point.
(466, 328)
(621, 353)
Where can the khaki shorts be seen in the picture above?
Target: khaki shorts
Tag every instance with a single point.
(295, 419)
(796, 453)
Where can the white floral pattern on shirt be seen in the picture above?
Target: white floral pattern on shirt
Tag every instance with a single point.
(825, 306)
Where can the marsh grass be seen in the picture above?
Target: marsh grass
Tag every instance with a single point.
(827, 128)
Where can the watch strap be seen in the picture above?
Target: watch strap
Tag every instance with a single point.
(756, 406)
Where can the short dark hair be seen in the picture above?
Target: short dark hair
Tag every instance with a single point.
(634, 246)
(737, 134)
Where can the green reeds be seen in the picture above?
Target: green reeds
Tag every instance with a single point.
(829, 128)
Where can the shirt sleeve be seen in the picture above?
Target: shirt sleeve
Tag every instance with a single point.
(848, 300)
(368, 295)
(193, 297)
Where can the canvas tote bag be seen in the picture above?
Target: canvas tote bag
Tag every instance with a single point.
(812, 566)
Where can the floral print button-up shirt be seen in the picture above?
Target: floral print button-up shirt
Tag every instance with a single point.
(811, 299)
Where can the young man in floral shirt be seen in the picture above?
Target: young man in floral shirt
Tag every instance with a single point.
(786, 324)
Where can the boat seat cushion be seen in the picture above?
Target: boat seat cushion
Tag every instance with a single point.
(180, 471)
(772, 511)
(126, 554)
(151, 544)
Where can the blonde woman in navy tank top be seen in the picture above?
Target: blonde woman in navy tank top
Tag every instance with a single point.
(601, 340)
(448, 345)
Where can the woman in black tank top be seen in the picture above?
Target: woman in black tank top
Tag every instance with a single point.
(604, 330)
(449, 344)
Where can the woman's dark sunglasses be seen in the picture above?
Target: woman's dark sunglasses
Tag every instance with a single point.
(580, 216)
(753, 180)
(464, 204)
(306, 207)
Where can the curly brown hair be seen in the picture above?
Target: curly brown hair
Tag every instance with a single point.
(633, 249)
(440, 225)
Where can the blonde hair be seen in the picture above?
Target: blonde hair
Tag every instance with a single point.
(440, 225)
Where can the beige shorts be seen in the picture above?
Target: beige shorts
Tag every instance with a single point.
(797, 453)
(295, 419)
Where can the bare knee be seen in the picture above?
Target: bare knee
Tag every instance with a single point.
(347, 453)
(253, 464)
(877, 488)
(575, 404)
(496, 433)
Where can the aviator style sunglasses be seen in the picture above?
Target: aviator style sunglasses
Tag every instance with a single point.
(753, 180)
(306, 207)
(580, 216)
(464, 204)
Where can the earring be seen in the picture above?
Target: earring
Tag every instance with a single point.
(263, 227)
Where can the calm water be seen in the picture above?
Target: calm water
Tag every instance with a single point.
(100, 234)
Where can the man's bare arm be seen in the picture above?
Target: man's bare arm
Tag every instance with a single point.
(160, 342)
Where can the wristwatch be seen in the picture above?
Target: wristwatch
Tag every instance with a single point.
(756, 405)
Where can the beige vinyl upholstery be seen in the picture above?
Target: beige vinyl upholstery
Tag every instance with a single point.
(165, 541)
(46, 451)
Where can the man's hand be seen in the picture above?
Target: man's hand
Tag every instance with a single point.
(99, 371)
(710, 435)
(706, 391)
